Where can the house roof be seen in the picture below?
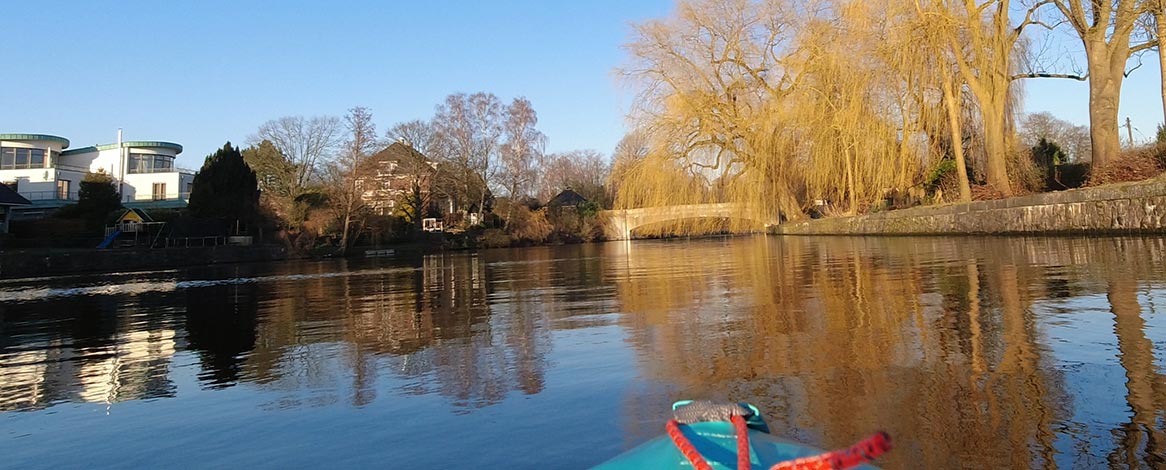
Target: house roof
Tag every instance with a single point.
(36, 137)
(398, 152)
(567, 198)
(136, 211)
(129, 144)
(8, 197)
(143, 144)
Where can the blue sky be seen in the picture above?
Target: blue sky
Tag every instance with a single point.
(204, 72)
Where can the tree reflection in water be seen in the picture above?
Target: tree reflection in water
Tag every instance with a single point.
(973, 352)
(937, 341)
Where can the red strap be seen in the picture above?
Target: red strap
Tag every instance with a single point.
(742, 442)
(862, 452)
(693, 455)
(685, 446)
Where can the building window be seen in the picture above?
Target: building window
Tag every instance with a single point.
(149, 163)
(159, 191)
(63, 190)
(12, 158)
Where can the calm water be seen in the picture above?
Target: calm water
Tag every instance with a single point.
(972, 353)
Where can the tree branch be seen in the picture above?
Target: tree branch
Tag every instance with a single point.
(1143, 46)
(1079, 78)
(1028, 17)
(1128, 72)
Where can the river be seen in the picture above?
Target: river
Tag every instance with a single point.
(970, 352)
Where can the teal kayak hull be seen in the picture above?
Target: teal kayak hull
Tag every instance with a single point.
(717, 443)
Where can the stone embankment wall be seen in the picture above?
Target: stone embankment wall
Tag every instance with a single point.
(1121, 208)
(50, 262)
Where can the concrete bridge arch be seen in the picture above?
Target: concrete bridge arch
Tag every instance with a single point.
(620, 223)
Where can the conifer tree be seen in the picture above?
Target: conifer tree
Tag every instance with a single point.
(225, 187)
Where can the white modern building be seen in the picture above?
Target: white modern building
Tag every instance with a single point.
(44, 170)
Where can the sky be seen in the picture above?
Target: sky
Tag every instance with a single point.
(204, 72)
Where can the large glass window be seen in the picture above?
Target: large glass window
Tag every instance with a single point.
(150, 163)
(13, 158)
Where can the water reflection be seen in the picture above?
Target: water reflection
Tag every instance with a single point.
(83, 352)
(974, 352)
(938, 341)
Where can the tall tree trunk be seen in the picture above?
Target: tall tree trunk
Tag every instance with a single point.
(344, 234)
(850, 186)
(957, 138)
(1160, 21)
(418, 212)
(1136, 355)
(995, 141)
(1106, 74)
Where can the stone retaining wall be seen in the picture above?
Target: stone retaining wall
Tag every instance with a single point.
(1121, 208)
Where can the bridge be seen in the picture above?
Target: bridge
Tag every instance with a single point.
(620, 223)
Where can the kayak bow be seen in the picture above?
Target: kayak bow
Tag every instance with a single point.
(724, 436)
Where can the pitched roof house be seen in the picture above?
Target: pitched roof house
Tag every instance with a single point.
(393, 173)
(567, 198)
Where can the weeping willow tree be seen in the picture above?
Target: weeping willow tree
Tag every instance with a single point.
(856, 111)
(708, 74)
(780, 105)
(774, 105)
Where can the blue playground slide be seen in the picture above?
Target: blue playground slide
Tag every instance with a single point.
(108, 240)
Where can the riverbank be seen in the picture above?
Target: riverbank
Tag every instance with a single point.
(1126, 208)
(60, 261)
(40, 262)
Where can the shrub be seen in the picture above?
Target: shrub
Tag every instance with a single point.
(529, 226)
(594, 229)
(1046, 156)
(1133, 165)
(1025, 175)
(493, 238)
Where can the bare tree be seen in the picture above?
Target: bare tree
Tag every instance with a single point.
(1073, 139)
(470, 125)
(1107, 30)
(421, 176)
(421, 135)
(306, 142)
(347, 169)
(426, 174)
(583, 171)
(521, 151)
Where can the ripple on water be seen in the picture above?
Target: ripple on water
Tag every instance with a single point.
(972, 352)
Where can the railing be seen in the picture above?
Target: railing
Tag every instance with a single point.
(79, 169)
(147, 197)
(74, 196)
(146, 171)
(49, 196)
(53, 166)
(187, 242)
